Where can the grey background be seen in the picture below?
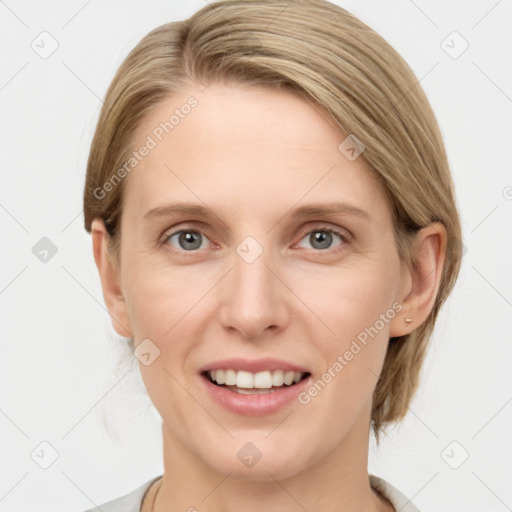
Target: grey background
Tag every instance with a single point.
(59, 368)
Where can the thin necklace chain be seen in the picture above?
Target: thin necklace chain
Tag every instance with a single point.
(150, 508)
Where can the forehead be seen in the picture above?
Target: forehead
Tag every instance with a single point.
(245, 148)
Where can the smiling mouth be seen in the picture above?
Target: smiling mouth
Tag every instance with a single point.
(249, 383)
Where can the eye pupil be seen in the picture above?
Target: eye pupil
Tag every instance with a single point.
(189, 237)
(324, 239)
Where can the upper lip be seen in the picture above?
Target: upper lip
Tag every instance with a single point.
(253, 365)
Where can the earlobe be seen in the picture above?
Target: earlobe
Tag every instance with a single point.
(110, 280)
(423, 279)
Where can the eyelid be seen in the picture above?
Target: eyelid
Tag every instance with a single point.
(168, 233)
(177, 228)
(341, 232)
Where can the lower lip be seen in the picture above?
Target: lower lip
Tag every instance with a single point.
(257, 404)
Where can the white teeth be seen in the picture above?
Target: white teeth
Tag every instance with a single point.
(288, 378)
(278, 378)
(220, 377)
(230, 378)
(244, 380)
(260, 380)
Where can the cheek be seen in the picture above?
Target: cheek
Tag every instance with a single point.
(165, 307)
(350, 298)
(161, 308)
(356, 304)
(160, 299)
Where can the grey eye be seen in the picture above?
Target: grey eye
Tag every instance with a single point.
(322, 238)
(188, 240)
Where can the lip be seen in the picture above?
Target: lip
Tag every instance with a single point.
(253, 365)
(254, 405)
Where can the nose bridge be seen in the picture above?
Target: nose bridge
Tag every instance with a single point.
(253, 299)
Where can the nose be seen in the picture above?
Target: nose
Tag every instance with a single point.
(254, 299)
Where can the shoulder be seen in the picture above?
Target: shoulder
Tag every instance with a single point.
(128, 503)
(399, 500)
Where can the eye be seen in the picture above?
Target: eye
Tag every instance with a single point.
(187, 239)
(322, 238)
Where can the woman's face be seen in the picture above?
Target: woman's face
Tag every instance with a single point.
(259, 280)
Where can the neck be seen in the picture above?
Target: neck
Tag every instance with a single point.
(338, 481)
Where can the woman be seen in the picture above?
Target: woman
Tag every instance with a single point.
(274, 224)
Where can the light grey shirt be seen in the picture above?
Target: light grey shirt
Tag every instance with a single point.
(132, 502)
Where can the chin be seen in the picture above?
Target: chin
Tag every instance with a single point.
(248, 463)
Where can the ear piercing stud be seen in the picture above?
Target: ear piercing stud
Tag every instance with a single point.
(408, 320)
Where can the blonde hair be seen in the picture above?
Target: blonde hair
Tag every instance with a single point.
(331, 59)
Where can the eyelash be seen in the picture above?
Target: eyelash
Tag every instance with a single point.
(345, 238)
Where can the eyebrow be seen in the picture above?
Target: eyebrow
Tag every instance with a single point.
(302, 212)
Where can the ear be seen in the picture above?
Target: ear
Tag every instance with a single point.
(110, 279)
(421, 282)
